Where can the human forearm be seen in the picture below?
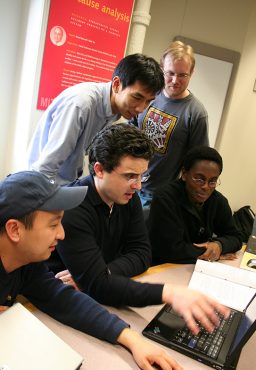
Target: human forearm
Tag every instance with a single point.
(170, 247)
(145, 354)
(76, 309)
(230, 243)
(116, 290)
(224, 228)
(122, 291)
(131, 264)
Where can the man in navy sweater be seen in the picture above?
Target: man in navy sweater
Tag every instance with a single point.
(31, 210)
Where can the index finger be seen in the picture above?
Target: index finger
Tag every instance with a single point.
(223, 310)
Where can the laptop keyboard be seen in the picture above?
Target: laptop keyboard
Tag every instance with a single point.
(205, 342)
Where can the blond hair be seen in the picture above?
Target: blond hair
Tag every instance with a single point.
(178, 51)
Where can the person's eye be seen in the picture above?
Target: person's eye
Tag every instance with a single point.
(129, 176)
(169, 73)
(199, 180)
(136, 97)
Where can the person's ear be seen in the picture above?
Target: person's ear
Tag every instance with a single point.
(13, 229)
(116, 84)
(183, 174)
(98, 169)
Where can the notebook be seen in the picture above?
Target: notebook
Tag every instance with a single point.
(28, 344)
(220, 350)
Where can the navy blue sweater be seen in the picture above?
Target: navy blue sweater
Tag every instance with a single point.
(60, 301)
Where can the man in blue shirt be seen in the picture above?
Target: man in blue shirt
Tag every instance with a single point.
(73, 118)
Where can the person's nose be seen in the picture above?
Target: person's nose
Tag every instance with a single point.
(141, 106)
(206, 186)
(175, 78)
(61, 233)
(136, 185)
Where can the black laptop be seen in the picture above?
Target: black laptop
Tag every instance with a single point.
(220, 349)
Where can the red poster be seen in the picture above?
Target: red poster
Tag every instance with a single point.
(85, 39)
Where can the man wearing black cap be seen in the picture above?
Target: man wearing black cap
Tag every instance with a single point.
(31, 210)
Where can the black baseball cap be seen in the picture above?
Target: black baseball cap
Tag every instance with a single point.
(27, 191)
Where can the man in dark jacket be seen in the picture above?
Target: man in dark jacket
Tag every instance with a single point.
(189, 219)
(106, 242)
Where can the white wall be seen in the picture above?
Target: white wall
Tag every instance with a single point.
(10, 25)
(238, 142)
(25, 71)
(220, 22)
(225, 23)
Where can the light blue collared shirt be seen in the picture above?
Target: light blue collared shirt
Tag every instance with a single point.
(66, 129)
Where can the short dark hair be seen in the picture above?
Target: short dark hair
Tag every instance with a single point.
(202, 153)
(139, 67)
(116, 141)
(27, 221)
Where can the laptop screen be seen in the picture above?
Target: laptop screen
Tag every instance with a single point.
(248, 323)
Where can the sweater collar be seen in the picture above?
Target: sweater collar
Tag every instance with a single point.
(94, 195)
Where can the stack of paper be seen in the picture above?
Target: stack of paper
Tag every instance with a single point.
(231, 286)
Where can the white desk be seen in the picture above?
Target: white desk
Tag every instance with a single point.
(99, 355)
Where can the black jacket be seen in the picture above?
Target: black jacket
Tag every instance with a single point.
(174, 225)
(103, 249)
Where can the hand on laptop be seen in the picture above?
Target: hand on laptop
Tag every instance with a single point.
(193, 305)
(146, 354)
